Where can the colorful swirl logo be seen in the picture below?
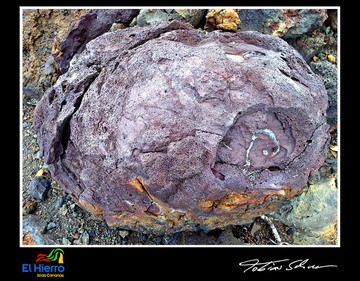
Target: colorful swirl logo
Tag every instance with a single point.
(55, 255)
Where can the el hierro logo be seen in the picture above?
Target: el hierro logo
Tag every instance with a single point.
(47, 265)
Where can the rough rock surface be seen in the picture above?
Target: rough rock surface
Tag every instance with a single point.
(39, 188)
(33, 232)
(309, 46)
(162, 129)
(328, 73)
(40, 28)
(287, 23)
(313, 214)
(154, 16)
(90, 25)
(224, 19)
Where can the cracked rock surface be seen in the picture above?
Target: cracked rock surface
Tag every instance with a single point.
(162, 129)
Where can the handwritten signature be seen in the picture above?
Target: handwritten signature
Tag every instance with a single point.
(255, 265)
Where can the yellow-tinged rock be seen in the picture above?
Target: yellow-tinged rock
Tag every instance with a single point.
(206, 204)
(281, 29)
(315, 58)
(334, 148)
(225, 19)
(40, 173)
(28, 239)
(330, 233)
(331, 58)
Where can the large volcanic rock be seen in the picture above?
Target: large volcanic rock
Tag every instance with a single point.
(163, 129)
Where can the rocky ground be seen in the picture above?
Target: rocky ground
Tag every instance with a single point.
(50, 216)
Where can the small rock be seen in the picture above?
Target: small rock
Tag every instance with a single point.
(328, 73)
(30, 206)
(76, 236)
(116, 26)
(66, 241)
(40, 173)
(76, 242)
(154, 16)
(39, 188)
(289, 231)
(38, 155)
(331, 58)
(85, 238)
(25, 125)
(224, 19)
(60, 201)
(123, 233)
(256, 227)
(73, 207)
(63, 210)
(51, 225)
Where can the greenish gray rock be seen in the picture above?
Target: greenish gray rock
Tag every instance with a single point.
(286, 23)
(259, 19)
(328, 73)
(313, 214)
(66, 241)
(306, 20)
(309, 46)
(154, 16)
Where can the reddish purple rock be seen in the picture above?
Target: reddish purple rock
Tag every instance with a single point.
(163, 129)
(90, 25)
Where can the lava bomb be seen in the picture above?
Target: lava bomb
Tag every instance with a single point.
(162, 129)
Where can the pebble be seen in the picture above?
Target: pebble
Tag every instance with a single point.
(51, 225)
(30, 207)
(63, 210)
(39, 188)
(66, 241)
(73, 207)
(289, 231)
(123, 233)
(60, 201)
(25, 125)
(37, 155)
(256, 227)
(85, 238)
(331, 58)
